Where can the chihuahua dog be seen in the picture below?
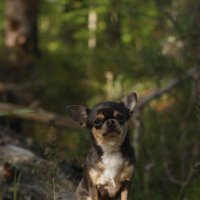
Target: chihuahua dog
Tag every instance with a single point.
(109, 166)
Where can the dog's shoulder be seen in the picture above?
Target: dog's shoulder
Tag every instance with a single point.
(128, 151)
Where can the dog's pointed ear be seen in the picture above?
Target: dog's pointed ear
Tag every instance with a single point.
(130, 101)
(79, 114)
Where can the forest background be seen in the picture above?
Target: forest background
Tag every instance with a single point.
(54, 53)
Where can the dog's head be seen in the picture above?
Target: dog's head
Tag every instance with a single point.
(107, 120)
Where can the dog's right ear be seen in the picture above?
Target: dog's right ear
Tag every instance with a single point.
(79, 114)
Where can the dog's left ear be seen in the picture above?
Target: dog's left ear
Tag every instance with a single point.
(79, 114)
(130, 101)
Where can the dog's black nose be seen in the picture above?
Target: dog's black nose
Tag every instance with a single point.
(110, 123)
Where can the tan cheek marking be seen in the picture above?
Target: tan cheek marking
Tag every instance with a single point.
(125, 127)
(123, 130)
(96, 133)
(98, 136)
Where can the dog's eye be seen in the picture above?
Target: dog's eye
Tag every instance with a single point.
(97, 122)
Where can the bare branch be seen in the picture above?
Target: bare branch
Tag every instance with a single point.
(171, 177)
(38, 114)
(172, 84)
(6, 87)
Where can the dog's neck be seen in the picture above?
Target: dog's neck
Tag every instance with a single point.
(111, 147)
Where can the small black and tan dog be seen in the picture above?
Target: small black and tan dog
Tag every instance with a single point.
(109, 166)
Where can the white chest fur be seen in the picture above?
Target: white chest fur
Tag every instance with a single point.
(113, 169)
(112, 163)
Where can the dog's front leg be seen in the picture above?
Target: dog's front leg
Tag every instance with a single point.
(124, 193)
(94, 194)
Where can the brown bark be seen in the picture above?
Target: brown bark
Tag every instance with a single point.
(21, 25)
(114, 25)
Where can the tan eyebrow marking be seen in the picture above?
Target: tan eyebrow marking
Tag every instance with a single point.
(116, 113)
(100, 116)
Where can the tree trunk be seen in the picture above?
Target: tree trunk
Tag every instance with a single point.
(21, 25)
(114, 25)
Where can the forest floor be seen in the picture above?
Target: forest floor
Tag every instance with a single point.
(26, 176)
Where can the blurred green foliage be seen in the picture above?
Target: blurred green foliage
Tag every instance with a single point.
(140, 46)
